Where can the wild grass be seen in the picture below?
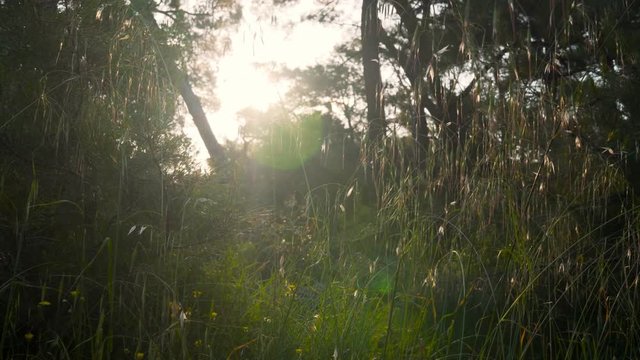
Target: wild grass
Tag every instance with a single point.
(514, 266)
(522, 245)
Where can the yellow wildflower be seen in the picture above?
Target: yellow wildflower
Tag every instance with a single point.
(291, 288)
(28, 336)
(139, 355)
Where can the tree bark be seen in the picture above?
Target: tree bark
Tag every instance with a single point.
(215, 150)
(370, 34)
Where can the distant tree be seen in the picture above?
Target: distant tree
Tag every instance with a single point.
(290, 156)
(335, 88)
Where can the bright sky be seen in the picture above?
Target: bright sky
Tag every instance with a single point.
(260, 40)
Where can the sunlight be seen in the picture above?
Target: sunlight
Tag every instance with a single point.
(241, 84)
(246, 84)
(242, 79)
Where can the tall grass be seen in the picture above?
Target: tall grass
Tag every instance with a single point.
(512, 244)
(494, 260)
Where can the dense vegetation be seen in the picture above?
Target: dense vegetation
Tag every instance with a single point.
(459, 182)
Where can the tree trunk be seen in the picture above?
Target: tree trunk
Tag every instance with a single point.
(370, 31)
(215, 150)
(181, 81)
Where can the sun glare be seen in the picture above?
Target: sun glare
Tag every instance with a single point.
(241, 84)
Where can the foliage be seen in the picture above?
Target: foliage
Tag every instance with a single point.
(503, 225)
(288, 145)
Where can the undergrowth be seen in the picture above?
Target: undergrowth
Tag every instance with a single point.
(113, 246)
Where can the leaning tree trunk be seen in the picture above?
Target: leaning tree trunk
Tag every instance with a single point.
(194, 105)
(215, 150)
